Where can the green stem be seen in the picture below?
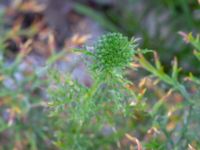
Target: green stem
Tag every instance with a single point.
(187, 115)
(92, 90)
(168, 136)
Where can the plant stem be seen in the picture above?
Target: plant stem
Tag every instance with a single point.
(168, 136)
(92, 90)
(187, 115)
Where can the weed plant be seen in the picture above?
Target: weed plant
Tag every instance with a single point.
(114, 110)
(159, 111)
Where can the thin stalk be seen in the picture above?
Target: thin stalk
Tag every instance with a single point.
(168, 136)
(92, 90)
(187, 115)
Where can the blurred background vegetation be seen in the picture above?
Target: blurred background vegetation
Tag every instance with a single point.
(50, 26)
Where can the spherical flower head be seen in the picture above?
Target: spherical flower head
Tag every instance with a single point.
(113, 51)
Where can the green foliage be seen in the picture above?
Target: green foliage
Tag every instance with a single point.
(187, 109)
(101, 115)
(24, 124)
(111, 54)
(21, 104)
(111, 101)
(107, 96)
(159, 111)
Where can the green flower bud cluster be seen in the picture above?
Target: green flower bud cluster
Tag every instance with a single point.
(113, 51)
